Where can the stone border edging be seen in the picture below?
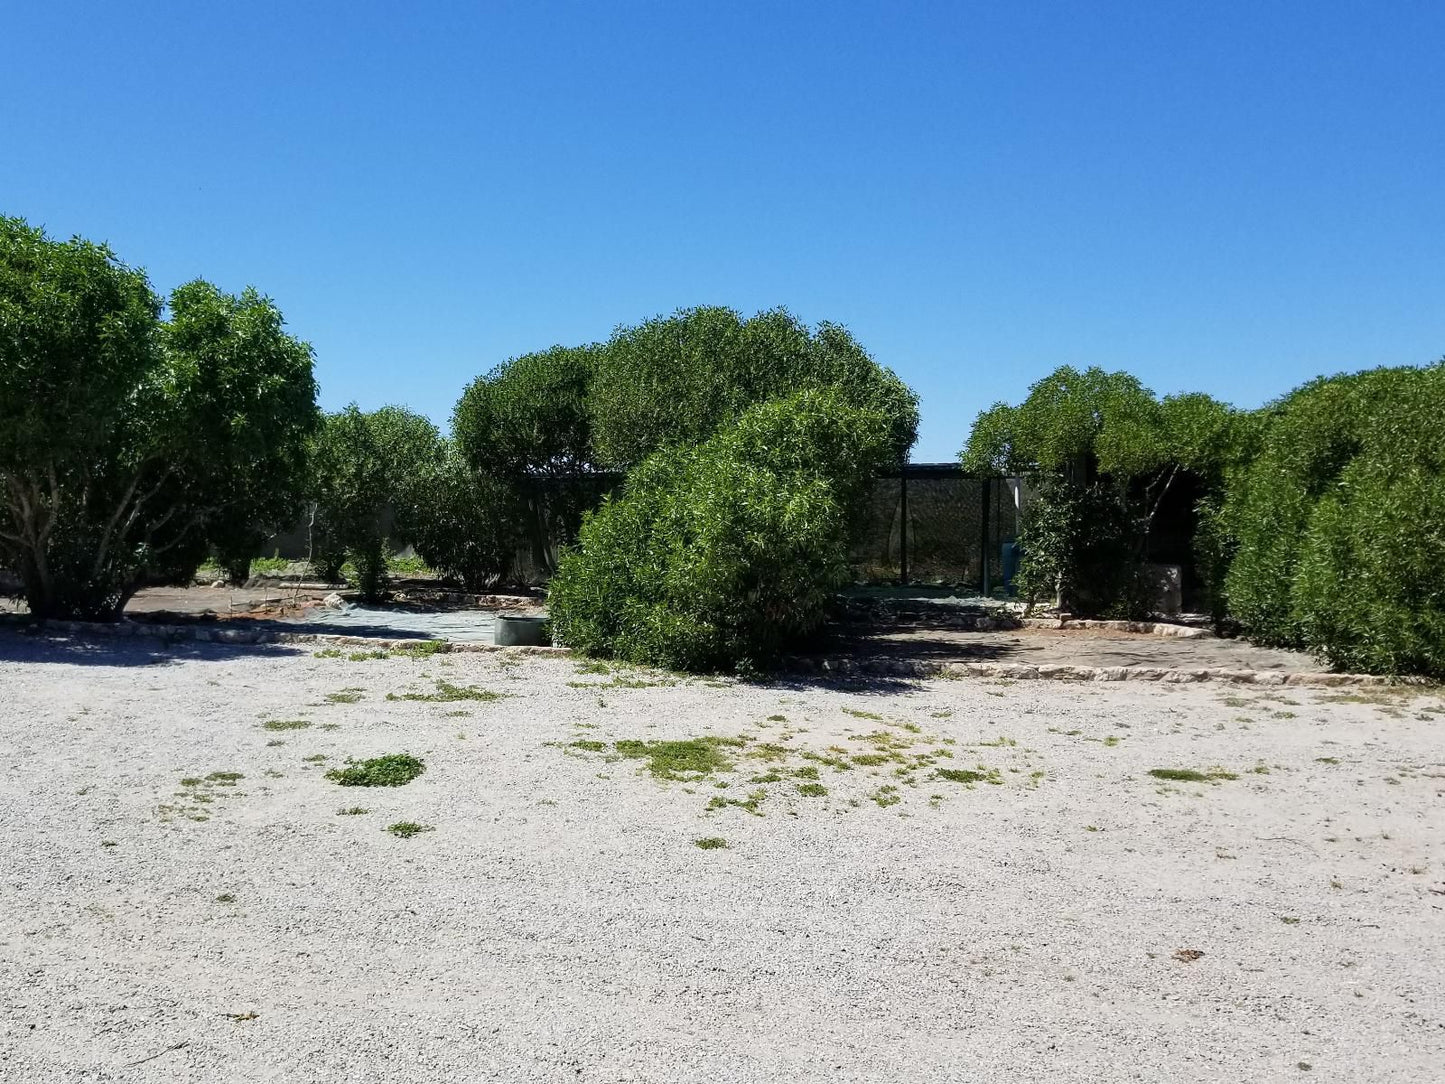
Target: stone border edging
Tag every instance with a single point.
(969, 622)
(1063, 672)
(1146, 628)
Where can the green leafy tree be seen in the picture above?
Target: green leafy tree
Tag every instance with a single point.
(721, 555)
(525, 431)
(674, 380)
(370, 481)
(125, 440)
(260, 481)
(1106, 452)
(467, 525)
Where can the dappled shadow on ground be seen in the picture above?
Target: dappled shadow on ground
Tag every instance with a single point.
(926, 646)
(857, 684)
(42, 648)
(318, 628)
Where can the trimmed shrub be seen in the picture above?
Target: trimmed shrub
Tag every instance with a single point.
(676, 379)
(1368, 592)
(724, 554)
(1311, 436)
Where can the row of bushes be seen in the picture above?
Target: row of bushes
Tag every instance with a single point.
(538, 441)
(1320, 522)
(138, 439)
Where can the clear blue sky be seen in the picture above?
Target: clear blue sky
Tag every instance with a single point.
(1230, 197)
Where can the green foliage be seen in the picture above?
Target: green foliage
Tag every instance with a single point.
(1341, 523)
(529, 417)
(687, 760)
(1104, 451)
(1078, 541)
(1191, 775)
(524, 431)
(447, 693)
(371, 481)
(392, 770)
(467, 526)
(251, 384)
(1312, 435)
(675, 380)
(128, 444)
(723, 555)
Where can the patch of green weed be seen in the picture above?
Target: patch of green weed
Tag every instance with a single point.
(688, 759)
(392, 770)
(285, 724)
(447, 693)
(407, 829)
(1191, 775)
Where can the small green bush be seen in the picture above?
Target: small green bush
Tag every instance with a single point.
(392, 770)
(723, 555)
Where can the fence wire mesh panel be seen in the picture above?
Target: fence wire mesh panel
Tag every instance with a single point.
(935, 525)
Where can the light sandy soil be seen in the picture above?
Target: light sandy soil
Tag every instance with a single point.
(559, 924)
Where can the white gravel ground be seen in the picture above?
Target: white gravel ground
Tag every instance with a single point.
(559, 924)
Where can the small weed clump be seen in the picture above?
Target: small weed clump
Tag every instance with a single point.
(392, 770)
(198, 796)
(352, 811)
(447, 693)
(710, 843)
(687, 760)
(285, 724)
(344, 696)
(812, 790)
(407, 829)
(1191, 775)
(969, 776)
(423, 649)
(750, 804)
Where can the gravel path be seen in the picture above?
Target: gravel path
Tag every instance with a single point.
(560, 924)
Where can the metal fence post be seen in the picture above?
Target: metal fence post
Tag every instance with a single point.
(987, 484)
(903, 525)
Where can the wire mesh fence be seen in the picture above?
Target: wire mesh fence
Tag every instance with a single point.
(955, 523)
(933, 524)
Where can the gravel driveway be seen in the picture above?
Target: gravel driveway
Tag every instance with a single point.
(931, 881)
